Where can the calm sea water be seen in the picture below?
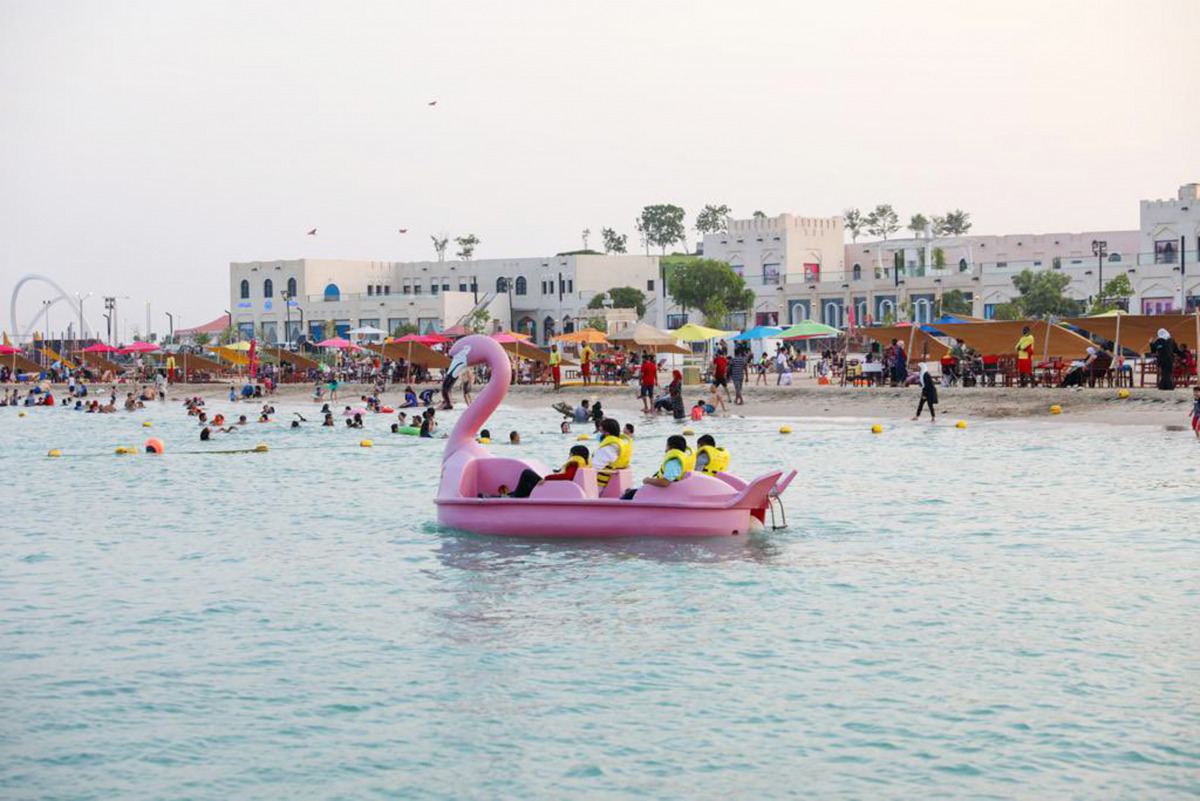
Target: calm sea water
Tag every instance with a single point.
(1005, 611)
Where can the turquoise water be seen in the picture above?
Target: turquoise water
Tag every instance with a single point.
(1002, 611)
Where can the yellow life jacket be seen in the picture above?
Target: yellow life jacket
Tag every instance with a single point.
(718, 459)
(671, 455)
(555, 358)
(576, 460)
(690, 462)
(624, 451)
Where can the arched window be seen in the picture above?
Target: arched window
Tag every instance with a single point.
(501, 285)
(856, 272)
(962, 265)
(1114, 258)
(332, 292)
(833, 315)
(521, 286)
(291, 288)
(886, 307)
(548, 328)
(268, 288)
(245, 290)
(568, 325)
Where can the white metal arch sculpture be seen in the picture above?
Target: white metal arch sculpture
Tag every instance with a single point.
(37, 318)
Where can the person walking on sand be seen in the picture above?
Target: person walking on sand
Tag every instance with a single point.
(928, 393)
(556, 366)
(737, 373)
(585, 357)
(1025, 358)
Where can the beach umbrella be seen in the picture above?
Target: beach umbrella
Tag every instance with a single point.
(809, 329)
(335, 342)
(99, 347)
(240, 347)
(647, 336)
(8, 350)
(588, 335)
(758, 332)
(367, 331)
(698, 333)
(139, 347)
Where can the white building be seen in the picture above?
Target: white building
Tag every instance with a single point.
(538, 296)
(771, 253)
(1170, 252)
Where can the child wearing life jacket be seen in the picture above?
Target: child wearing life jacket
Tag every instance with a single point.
(529, 479)
(614, 452)
(710, 459)
(675, 465)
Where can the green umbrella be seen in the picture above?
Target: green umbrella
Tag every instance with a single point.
(808, 328)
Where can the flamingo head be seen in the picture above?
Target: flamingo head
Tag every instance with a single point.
(460, 357)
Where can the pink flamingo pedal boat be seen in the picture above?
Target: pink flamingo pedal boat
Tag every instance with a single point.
(697, 505)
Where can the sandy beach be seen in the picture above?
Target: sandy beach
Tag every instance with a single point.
(1145, 406)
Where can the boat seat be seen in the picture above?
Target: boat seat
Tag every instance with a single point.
(487, 475)
(585, 477)
(557, 491)
(621, 481)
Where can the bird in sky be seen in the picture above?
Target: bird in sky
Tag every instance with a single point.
(404, 230)
(313, 232)
(433, 102)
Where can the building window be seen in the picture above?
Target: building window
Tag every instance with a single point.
(368, 322)
(462, 284)
(246, 330)
(396, 323)
(521, 287)
(445, 284)
(650, 285)
(570, 285)
(501, 285)
(738, 269)
(1000, 265)
(962, 265)
(1055, 263)
(332, 292)
(291, 287)
(245, 290)
(548, 328)
(433, 287)
(416, 289)
(370, 290)
(407, 289)
(676, 321)
(812, 273)
(771, 273)
(268, 288)
(856, 272)
(1164, 251)
(1114, 258)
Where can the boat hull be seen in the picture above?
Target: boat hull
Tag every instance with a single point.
(599, 518)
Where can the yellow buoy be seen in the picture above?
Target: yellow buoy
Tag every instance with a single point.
(260, 447)
(1056, 409)
(687, 432)
(582, 438)
(876, 429)
(54, 453)
(785, 429)
(366, 443)
(22, 414)
(145, 424)
(961, 424)
(121, 449)
(484, 440)
(1123, 393)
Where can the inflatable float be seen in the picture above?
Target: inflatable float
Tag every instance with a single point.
(697, 505)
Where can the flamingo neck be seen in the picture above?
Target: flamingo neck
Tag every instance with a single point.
(481, 408)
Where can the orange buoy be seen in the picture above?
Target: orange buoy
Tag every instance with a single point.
(155, 445)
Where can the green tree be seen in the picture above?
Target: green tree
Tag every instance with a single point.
(955, 301)
(939, 258)
(956, 223)
(1115, 290)
(662, 225)
(202, 338)
(883, 221)
(623, 297)
(477, 321)
(440, 241)
(613, 242)
(710, 286)
(939, 225)
(227, 336)
(466, 246)
(760, 215)
(1042, 294)
(404, 328)
(854, 222)
(711, 219)
(917, 223)
(598, 324)
(329, 329)
(1009, 311)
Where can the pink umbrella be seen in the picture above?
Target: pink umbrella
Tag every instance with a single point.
(423, 339)
(9, 350)
(99, 347)
(139, 347)
(335, 342)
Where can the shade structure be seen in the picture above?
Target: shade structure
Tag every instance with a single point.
(139, 347)
(367, 331)
(807, 329)
(999, 337)
(456, 331)
(230, 355)
(647, 337)
(412, 352)
(589, 335)
(103, 364)
(526, 350)
(99, 347)
(1138, 329)
(924, 347)
(191, 362)
(699, 333)
(758, 332)
(300, 362)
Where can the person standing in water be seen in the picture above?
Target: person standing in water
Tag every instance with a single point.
(928, 393)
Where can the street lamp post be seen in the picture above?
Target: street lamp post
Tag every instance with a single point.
(1100, 249)
(170, 325)
(110, 306)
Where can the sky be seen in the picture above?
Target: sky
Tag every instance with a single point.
(146, 145)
